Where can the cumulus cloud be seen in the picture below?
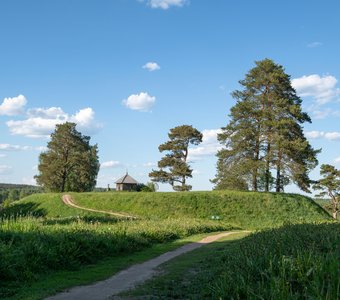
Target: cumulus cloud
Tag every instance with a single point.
(13, 106)
(314, 44)
(165, 4)
(110, 164)
(9, 147)
(41, 122)
(4, 169)
(151, 66)
(142, 101)
(208, 147)
(335, 135)
(322, 88)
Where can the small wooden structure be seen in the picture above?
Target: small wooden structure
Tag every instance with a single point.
(126, 183)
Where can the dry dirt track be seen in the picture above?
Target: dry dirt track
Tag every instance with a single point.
(67, 199)
(130, 277)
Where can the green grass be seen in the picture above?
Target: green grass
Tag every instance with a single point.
(243, 209)
(43, 205)
(52, 283)
(177, 277)
(292, 262)
(31, 248)
(40, 237)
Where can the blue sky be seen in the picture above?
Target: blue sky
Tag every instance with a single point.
(129, 70)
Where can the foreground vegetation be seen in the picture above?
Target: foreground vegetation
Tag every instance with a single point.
(40, 237)
(292, 262)
(30, 248)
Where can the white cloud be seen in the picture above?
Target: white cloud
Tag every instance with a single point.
(41, 122)
(322, 88)
(208, 147)
(4, 169)
(337, 160)
(165, 4)
(2, 155)
(151, 66)
(9, 147)
(314, 44)
(13, 106)
(110, 164)
(332, 135)
(335, 135)
(142, 101)
(149, 164)
(196, 172)
(28, 180)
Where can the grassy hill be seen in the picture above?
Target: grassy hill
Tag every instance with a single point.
(243, 209)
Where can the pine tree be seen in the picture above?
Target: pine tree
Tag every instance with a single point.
(70, 163)
(330, 186)
(265, 132)
(174, 168)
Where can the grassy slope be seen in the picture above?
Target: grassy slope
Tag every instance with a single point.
(244, 209)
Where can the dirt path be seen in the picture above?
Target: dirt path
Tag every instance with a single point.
(129, 278)
(67, 199)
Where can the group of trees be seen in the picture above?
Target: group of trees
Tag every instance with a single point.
(13, 192)
(264, 146)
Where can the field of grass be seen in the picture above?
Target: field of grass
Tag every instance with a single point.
(291, 262)
(32, 247)
(247, 210)
(40, 236)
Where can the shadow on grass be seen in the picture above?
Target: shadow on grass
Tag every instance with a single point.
(29, 209)
(83, 219)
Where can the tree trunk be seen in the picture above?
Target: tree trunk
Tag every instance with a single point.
(63, 182)
(255, 170)
(267, 173)
(278, 173)
(335, 214)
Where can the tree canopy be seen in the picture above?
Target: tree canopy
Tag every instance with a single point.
(174, 168)
(264, 144)
(70, 162)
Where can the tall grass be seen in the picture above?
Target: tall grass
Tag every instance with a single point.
(292, 262)
(31, 247)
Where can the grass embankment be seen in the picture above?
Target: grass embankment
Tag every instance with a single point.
(292, 262)
(247, 210)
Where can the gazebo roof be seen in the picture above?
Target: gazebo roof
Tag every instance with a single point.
(126, 179)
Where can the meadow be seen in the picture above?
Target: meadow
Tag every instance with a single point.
(40, 236)
(292, 262)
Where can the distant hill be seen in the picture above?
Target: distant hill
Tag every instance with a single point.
(243, 209)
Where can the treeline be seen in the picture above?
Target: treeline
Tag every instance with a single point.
(12, 192)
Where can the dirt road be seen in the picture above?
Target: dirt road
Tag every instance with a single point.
(67, 199)
(129, 278)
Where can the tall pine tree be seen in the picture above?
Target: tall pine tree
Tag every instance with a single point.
(265, 135)
(174, 168)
